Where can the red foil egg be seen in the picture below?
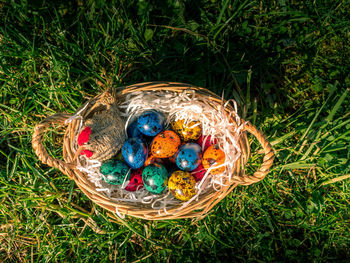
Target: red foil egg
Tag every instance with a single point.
(199, 173)
(205, 141)
(136, 182)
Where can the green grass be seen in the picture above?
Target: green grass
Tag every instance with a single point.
(287, 63)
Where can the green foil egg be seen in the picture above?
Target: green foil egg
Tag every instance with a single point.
(115, 171)
(155, 178)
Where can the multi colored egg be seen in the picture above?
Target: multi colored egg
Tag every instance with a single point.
(134, 152)
(115, 172)
(136, 182)
(165, 144)
(182, 185)
(199, 173)
(205, 141)
(155, 178)
(151, 122)
(189, 156)
(214, 157)
(190, 131)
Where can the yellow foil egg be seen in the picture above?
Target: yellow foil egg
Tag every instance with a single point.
(213, 157)
(190, 131)
(182, 185)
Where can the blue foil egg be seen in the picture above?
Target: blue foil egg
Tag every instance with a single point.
(189, 156)
(133, 131)
(151, 122)
(134, 152)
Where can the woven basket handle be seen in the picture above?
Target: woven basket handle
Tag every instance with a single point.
(39, 148)
(268, 157)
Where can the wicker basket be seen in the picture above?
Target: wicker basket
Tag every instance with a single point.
(196, 209)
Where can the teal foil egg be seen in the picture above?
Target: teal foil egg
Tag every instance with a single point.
(155, 178)
(115, 171)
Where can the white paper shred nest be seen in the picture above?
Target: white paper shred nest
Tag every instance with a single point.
(186, 105)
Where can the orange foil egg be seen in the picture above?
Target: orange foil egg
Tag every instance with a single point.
(172, 158)
(151, 159)
(213, 157)
(190, 131)
(165, 144)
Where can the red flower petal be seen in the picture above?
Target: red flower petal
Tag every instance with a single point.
(87, 153)
(84, 136)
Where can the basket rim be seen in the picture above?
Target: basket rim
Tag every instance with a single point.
(197, 209)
